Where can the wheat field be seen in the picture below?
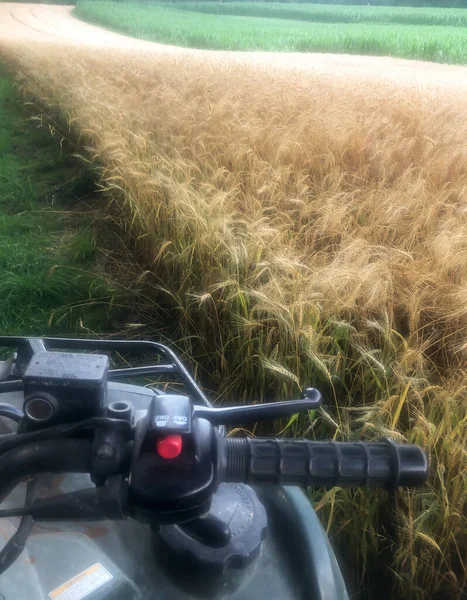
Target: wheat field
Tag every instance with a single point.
(297, 229)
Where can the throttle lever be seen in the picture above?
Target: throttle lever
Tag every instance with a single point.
(236, 415)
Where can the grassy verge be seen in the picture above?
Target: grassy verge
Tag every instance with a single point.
(163, 23)
(49, 277)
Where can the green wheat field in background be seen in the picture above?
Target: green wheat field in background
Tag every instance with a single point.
(431, 34)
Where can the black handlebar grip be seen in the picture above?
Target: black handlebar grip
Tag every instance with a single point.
(324, 464)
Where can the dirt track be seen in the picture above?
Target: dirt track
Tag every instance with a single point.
(46, 23)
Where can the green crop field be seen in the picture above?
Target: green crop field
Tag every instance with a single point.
(431, 34)
(322, 13)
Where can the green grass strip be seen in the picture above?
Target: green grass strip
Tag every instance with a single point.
(49, 280)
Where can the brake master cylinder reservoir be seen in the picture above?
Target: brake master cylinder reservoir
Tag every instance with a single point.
(208, 572)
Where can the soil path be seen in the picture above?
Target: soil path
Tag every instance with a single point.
(49, 23)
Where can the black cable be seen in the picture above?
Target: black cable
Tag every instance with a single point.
(12, 440)
(21, 511)
(15, 545)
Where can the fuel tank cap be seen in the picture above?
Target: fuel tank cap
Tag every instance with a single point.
(237, 506)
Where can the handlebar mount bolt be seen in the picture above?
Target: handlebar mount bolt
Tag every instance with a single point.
(105, 451)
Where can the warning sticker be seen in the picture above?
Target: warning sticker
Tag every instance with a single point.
(81, 585)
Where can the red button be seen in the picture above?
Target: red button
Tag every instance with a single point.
(169, 446)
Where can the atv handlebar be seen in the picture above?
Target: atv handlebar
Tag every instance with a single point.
(257, 461)
(261, 461)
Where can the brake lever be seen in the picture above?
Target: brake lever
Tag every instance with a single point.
(236, 415)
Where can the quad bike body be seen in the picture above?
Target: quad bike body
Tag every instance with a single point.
(134, 491)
